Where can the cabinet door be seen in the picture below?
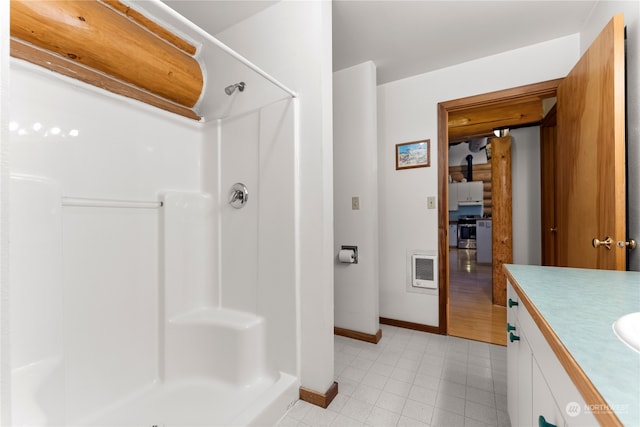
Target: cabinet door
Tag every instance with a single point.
(519, 359)
(470, 192)
(453, 196)
(476, 191)
(524, 380)
(512, 361)
(544, 405)
(463, 192)
(512, 376)
(519, 388)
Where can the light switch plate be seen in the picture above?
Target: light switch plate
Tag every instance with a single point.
(431, 202)
(355, 203)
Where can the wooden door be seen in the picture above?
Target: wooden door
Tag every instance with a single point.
(591, 155)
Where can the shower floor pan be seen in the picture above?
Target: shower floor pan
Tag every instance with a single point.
(192, 403)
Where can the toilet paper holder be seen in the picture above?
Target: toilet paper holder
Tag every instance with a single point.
(355, 252)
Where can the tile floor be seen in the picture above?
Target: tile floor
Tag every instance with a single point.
(412, 378)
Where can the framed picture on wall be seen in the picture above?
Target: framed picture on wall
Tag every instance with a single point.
(416, 154)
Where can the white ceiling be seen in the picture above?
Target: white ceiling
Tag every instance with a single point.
(215, 16)
(405, 38)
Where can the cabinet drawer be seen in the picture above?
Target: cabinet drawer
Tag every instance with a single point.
(543, 402)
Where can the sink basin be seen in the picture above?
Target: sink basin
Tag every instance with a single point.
(627, 328)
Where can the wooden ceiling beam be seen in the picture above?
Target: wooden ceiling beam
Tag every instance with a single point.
(118, 53)
(480, 121)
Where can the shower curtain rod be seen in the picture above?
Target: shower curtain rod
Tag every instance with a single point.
(109, 203)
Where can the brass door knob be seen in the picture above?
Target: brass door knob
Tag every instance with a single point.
(606, 242)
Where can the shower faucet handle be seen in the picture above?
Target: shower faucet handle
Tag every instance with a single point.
(238, 195)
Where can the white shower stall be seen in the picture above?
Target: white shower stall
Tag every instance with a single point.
(139, 295)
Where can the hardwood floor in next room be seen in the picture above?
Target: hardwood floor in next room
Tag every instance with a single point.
(472, 314)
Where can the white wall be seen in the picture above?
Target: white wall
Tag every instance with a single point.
(526, 195)
(407, 111)
(297, 51)
(5, 368)
(602, 13)
(355, 173)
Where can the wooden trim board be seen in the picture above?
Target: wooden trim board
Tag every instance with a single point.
(542, 90)
(319, 399)
(410, 325)
(443, 219)
(349, 333)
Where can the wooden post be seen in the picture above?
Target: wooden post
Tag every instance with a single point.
(501, 214)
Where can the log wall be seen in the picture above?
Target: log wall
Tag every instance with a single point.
(119, 50)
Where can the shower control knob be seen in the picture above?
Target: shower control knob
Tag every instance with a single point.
(238, 195)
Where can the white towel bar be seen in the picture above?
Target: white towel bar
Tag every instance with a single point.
(107, 203)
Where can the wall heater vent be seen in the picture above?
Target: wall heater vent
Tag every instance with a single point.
(424, 271)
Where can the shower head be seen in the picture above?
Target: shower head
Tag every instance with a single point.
(232, 88)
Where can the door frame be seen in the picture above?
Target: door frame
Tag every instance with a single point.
(548, 163)
(514, 95)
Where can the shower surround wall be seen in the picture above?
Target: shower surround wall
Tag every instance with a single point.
(259, 256)
(105, 307)
(109, 318)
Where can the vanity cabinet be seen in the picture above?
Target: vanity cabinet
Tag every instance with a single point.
(539, 390)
